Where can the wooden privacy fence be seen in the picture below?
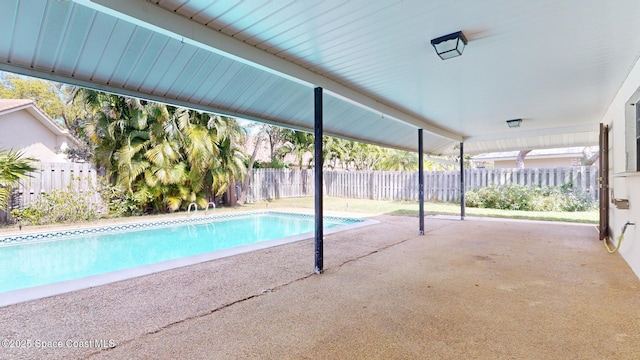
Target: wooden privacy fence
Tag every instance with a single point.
(81, 177)
(441, 186)
(266, 184)
(280, 183)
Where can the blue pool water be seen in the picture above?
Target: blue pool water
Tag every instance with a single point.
(51, 258)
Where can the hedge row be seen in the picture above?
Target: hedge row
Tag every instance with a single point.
(519, 197)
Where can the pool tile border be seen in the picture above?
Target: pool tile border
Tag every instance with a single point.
(42, 291)
(46, 235)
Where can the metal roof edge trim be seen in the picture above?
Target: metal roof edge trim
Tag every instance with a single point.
(173, 102)
(534, 133)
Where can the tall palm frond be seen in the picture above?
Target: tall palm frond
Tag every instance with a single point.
(130, 162)
(14, 166)
(397, 160)
(231, 166)
(298, 143)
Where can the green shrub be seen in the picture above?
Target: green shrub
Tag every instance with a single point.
(120, 202)
(569, 199)
(68, 205)
(59, 206)
(519, 197)
(275, 164)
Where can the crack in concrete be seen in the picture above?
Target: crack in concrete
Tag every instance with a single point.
(261, 293)
(389, 246)
(200, 315)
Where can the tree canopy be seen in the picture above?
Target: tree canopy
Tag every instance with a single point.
(47, 95)
(166, 157)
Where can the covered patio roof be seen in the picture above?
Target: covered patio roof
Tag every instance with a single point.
(556, 65)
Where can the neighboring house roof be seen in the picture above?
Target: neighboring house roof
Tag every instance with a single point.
(570, 152)
(11, 105)
(264, 152)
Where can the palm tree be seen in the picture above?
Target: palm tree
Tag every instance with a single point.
(298, 143)
(252, 158)
(14, 167)
(117, 132)
(276, 137)
(335, 152)
(365, 156)
(230, 165)
(166, 157)
(398, 160)
(194, 156)
(196, 137)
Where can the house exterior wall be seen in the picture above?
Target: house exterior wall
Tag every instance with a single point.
(264, 153)
(538, 163)
(21, 131)
(624, 181)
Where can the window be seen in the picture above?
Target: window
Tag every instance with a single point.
(631, 134)
(638, 136)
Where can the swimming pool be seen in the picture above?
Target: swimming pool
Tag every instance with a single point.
(78, 258)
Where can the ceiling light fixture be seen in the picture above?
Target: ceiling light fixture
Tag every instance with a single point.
(514, 123)
(449, 46)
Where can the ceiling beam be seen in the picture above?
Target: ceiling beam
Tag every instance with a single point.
(532, 133)
(152, 17)
(35, 73)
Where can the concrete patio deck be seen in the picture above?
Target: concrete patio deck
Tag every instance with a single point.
(466, 290)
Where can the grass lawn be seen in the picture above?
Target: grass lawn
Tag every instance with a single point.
(362, 206)
(409, 208)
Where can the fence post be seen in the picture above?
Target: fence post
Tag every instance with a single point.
(58, 176)
(389, 185)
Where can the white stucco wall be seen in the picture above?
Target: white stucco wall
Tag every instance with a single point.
(19, 130)
(538, 163)
(624, 184)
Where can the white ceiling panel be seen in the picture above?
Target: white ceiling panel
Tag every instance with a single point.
(24, 36)
(73, 39)
(98, 36)
(51, 24)
(144, 64)
(555, 64)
